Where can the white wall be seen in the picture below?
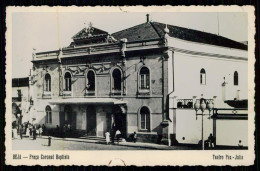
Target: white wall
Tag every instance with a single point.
(229, 132)
(188, 127)
(187, 71)
(188, 59)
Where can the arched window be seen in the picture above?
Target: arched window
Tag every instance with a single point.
(202, 77)
(117, 79)
(90, 84)
(145, 118)
(144, 78)
(47, 82)
(235, 78)
(67, 79)
(48, 114)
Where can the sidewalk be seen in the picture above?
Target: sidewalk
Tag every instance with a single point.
(129, 144)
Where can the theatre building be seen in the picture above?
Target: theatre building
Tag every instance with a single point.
(132, 80)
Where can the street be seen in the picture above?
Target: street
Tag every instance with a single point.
(42, 144)
(81, 144)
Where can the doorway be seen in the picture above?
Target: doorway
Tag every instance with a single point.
(120, 121)
(91, 120)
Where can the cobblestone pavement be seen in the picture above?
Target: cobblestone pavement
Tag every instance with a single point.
(60, 144)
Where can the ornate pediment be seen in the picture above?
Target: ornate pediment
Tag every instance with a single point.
(86, 33)
(91, 35)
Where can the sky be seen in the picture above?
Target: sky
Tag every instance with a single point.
(46, 31)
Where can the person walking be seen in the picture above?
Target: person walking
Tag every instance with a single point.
(31, 130)
(21, 131)
(107, 134)
(40, 131)
(43, 129)
(34, 132)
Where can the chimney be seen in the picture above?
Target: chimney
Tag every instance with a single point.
(147, 18)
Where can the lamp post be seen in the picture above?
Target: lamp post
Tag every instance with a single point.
(202, 106)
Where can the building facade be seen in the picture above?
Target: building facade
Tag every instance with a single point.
(21, 100)
(136, 80)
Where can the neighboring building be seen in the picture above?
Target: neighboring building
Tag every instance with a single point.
(139, 79)
(21, 99)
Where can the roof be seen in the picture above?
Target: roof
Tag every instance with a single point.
(153, 30)
(87, 101)
(20, 82)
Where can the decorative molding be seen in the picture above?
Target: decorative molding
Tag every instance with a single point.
(207, 54)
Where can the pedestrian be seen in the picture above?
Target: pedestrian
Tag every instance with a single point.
(27, 132)
(21, 131)
(34, 132)
(68, 130)
(40, 131)
(210, 141)
(64, 130)
(107, 134)
(30, 129)
(58, 132)
(15, 132)
(118, 135)
(43, 129)
(134, 137)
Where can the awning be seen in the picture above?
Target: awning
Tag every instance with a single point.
(110, 101)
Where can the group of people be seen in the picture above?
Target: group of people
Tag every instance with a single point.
(117, 136)
(27, 129)
(63, 131)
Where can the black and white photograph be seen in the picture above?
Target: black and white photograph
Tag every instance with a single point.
(158, 81)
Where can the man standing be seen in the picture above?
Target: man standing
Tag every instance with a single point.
(21, 131)
(34, 132)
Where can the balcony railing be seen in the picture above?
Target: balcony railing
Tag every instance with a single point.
(189, 103)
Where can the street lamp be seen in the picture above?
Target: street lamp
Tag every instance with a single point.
(203, 106)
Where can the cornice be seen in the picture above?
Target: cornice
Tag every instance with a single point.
(213, 55)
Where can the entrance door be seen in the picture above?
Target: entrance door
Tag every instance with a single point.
(91, 121)
(120, 123)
